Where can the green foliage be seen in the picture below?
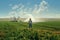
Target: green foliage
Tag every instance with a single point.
(20, 31)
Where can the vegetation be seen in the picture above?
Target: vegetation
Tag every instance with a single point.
(20, 31)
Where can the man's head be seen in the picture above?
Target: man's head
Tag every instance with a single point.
(30, 19)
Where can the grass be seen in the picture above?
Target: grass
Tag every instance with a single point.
(40, 31)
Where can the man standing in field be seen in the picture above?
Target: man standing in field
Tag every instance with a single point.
(30, 23)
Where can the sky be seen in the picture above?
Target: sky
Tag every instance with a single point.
(28, 8)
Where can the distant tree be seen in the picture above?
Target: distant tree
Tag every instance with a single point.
(14, 19)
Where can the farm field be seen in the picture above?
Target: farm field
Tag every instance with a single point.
(49, 30)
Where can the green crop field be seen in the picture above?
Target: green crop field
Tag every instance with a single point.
(49, 30)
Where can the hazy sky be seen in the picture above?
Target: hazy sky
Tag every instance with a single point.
(37, 8)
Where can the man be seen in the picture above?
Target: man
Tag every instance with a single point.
(30, 23)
